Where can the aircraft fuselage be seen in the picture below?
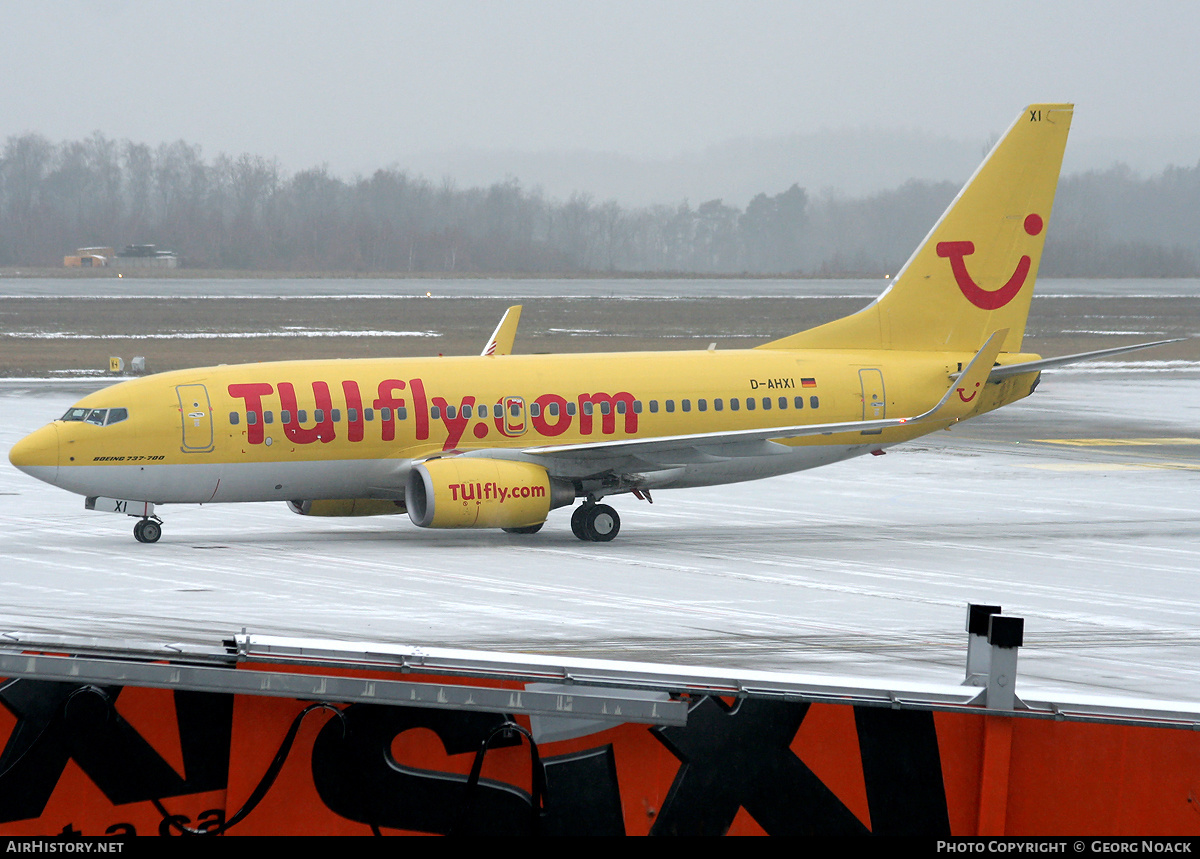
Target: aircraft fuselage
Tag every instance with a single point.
(350, 429)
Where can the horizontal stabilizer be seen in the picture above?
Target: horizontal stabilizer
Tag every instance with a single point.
(1046, 363)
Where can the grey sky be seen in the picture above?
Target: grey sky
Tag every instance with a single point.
(358, 84)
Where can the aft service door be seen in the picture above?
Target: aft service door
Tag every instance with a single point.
(874, 401)
(195, 412)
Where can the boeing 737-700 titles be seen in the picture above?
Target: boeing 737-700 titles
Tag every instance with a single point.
(500, 440)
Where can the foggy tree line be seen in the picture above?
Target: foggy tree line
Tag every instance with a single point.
(246, 213)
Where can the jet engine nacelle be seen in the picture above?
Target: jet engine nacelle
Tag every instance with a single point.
(347, 507)
(468, 492)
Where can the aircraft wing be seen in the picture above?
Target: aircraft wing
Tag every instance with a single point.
(668, 451)
(1046, 363)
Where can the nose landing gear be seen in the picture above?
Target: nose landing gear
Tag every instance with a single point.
(595, 523)
(148, 530)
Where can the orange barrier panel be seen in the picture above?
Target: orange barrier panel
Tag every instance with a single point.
(110, 760)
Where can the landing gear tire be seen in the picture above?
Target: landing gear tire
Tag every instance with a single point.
(528, 529)
(595, 523)
(603, 523)
(147, 531)
(577, 526)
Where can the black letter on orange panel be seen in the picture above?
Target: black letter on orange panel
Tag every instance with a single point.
(903, 772)
(357, 777)
(741, 758)
(60, 721)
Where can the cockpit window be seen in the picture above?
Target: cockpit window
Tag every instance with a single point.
(98, 417)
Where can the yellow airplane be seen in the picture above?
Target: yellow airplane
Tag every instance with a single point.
(500, 440)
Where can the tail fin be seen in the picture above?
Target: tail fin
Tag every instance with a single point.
(975, 271)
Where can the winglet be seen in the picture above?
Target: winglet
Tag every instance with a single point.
(501, 341)
(960, 401)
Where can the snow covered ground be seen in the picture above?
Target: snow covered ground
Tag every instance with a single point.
(1078, 509)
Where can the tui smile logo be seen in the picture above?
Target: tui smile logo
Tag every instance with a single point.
(962, 393)
(984, 299)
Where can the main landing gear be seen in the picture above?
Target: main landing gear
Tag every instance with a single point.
(148, 530)
(596, 523)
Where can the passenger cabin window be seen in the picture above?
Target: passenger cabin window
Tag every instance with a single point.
(368, 414)
(814, 402)
(385, 414)
(302, 416)
(734, 404)
(234, 418)
(352, 415)
(799, 401)
(687, 405)
(335, 415)
(268, 417)
(251, 418)
(285, 417)
(749, 404)
(319, 416)
(654, 407)
(434, 412)
(535, 410)
(670, 406)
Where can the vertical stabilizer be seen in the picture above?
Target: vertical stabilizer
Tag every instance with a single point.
(975, 271)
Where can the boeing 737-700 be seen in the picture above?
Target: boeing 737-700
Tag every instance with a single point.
(499, 440)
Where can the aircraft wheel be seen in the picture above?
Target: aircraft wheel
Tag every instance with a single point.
(147, 531)
(602, 523)
(577, 526)
(528, 529)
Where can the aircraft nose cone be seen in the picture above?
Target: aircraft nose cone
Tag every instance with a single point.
(37, 454)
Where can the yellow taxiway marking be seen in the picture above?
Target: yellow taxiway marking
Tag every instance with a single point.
(1117, 442)
(1112, 466)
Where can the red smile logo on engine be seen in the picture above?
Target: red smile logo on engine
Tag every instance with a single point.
(982, 298)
